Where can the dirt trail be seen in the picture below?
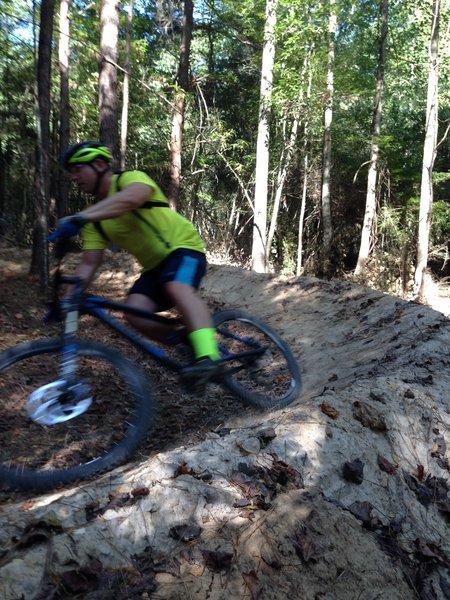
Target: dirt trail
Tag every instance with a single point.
(341, 496)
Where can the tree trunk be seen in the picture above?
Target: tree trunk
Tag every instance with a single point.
(39, 258)
(367, 234)
(176, 141)
(285, 161)
(259, 246)
(429, 154)
(301, 218)
(326, 175)
(64, 127)
(126, 89)
(286, 156)
(109, 40)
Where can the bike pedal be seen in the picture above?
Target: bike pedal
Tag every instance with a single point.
(195, 377)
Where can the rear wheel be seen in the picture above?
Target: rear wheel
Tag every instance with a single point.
(54, 433)
(268, 379)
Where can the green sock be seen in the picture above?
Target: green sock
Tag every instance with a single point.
(204, 343)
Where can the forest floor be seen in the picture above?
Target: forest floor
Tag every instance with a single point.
(21, 319)
(360, 510)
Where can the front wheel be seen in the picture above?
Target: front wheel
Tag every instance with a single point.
(53, 432)
(266, 374)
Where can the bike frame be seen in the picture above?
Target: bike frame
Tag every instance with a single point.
(80, 303)
(98, 306)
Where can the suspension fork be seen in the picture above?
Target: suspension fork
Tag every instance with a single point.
(69, 358)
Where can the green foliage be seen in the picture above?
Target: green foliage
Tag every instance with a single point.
(221, 116)
(398, 226)
(440, 224)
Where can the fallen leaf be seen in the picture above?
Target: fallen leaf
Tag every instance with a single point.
(185, 533)
(443, 463)
(439, 447)
(386, 466)
(217, 561)
(305, 547)
(196, 570)
(116, 502)
(143, 491)
(284, 474)
(422, 492)
(328, 410)
(420, 472)
(368, 416)
(362, 511)
(251, 445)
(353, 471)
(266, 435)
(247, 514)
(184, 469)
(83, 580)
(171, 566)
(252, 582)
(428, 551)
(33, 537)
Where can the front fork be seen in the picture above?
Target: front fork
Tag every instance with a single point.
(69, 359)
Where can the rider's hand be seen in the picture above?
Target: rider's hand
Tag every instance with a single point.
(68, 227)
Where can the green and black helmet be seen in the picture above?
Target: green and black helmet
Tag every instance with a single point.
(85, 152)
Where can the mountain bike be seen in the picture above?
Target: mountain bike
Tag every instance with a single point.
(55, 393)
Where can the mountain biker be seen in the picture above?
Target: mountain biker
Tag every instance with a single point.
(132, 211)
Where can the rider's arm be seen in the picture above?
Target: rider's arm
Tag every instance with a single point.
(130, 198)
(90, 262)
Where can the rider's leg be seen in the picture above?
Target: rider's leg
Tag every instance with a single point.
(152, 329)
(174, 283)
(181, 276)
(196, 318)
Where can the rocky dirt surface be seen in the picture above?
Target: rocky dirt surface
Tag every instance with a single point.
(341, 496)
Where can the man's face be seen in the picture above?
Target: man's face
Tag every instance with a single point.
(85, 177)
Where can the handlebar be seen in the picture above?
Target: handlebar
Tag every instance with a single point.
(61, 248)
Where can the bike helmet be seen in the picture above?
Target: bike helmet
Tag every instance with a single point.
(85, 152)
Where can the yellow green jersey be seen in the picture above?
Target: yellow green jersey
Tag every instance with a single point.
(150, 233)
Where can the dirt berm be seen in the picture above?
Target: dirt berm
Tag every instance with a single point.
(341, 496)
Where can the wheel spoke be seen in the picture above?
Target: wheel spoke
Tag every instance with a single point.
(268, 379)
(64, 431)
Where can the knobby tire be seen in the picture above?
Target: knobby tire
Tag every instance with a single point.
(42, 457)
(271, 381)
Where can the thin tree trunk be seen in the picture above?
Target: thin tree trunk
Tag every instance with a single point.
(64, 128)
(429, 154)
(3, 171)
(326, 175)
(367, 234)
(126, 89)
(176, 143)
(109, 40)
(285, 162)
(259, 245)
(301, 218)
(39, 258)
(286, 156)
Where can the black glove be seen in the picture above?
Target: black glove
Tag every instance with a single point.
(68, 227)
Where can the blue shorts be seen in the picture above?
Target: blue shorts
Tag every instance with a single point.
(182, 265)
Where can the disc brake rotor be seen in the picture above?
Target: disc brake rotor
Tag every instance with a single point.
(57, 402)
